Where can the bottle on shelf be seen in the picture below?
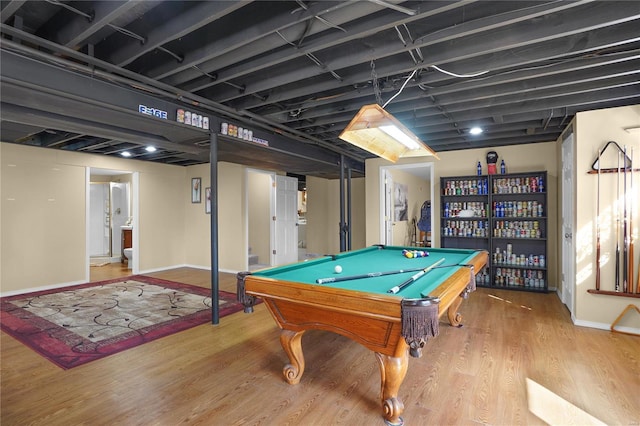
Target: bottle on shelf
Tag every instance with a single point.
(479, 169)
(503, 168)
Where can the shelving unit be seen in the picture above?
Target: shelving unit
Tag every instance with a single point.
(464, 217)
(513, 229)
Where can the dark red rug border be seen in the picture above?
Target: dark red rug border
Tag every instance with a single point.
(43, 336)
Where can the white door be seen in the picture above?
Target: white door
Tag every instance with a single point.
(99, 220)
(286, 221)
(568, 246)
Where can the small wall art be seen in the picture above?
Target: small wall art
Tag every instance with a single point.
(196, 189)
(207, 200)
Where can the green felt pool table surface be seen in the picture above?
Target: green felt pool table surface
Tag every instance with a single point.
(372, 260)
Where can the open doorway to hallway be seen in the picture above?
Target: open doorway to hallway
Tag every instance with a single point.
(404, 190)
(110, 217)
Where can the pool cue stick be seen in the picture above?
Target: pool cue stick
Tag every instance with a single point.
(598, 227)
(414, 278)
(378, 274)
(631, 254)
(367, 275)
(617, 282)
(625, 231)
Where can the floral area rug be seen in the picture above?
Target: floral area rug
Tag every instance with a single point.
(75, 325)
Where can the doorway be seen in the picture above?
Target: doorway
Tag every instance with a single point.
(272, 219)
(414, 184)
(109, 212)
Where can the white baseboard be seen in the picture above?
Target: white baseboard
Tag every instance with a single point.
(607, 327)
(186, 265)
(72, 283)
(35, 289)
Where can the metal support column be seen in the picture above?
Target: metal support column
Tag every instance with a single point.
(343, 241)
(348, 229)
(215, 284)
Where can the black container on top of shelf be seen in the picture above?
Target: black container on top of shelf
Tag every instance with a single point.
(508, 219)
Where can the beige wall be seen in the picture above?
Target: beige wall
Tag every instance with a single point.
(43, 225)
(161, 226)
(43, 207)
(317, 220)
(323, 215)
(593, 129)
(232, 236)
(42, 218)
(259, 212)
(195, 222)
(519, 158)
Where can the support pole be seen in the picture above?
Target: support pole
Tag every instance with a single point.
(343, 243)
(349, 208)
(215, 284)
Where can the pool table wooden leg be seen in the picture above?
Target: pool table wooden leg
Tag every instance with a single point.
(455, 319)
(291, 342)
(392, 373)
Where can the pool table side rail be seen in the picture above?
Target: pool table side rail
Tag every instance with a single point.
(456, 284)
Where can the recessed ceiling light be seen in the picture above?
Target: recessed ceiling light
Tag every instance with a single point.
(151, 148)
(475, 130)
(126, 154)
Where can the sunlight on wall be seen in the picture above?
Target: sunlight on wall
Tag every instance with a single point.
(584, 274)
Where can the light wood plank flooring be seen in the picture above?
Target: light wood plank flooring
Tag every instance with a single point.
(230, 374)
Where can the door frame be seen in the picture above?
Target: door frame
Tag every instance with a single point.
(384, 186)
(135, 214)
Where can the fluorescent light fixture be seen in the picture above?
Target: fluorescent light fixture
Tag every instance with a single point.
(475, 130)
(150, 148)
(125, 154)
(375, 130)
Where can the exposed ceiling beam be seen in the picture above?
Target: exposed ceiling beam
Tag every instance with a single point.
(358, 29)
(75, 31)
(246, 40)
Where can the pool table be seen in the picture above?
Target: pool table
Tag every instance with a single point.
(358, 304)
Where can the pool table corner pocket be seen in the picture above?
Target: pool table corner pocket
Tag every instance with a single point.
(419, 322)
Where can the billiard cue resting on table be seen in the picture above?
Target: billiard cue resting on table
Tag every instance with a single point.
(379, 274)
(367, 275)
(415, 277)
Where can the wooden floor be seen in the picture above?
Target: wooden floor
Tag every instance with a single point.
(230, 374)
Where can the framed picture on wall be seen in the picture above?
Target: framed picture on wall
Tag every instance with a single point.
(401, 203)
(196, 190)
(207, 200)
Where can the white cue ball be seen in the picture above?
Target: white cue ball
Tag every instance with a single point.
(338, 269)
